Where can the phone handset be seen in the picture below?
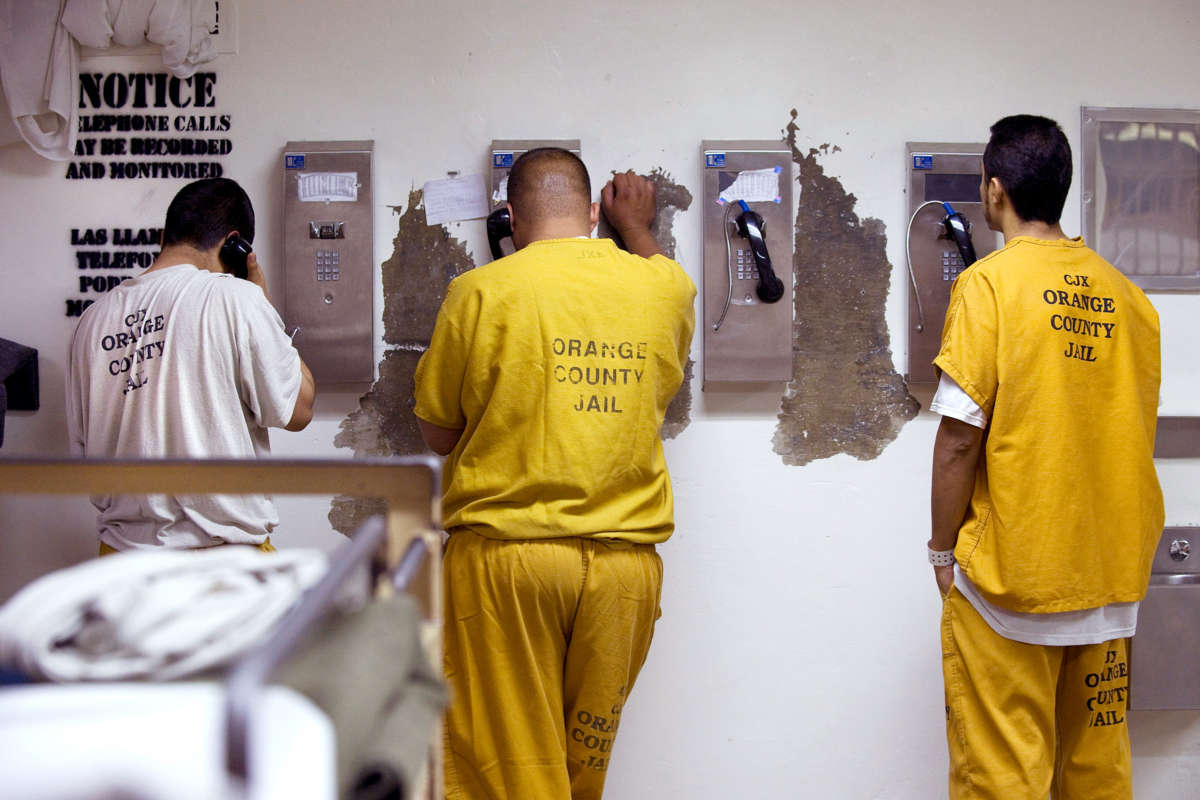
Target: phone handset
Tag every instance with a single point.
(499, 226)
(750, 226)
(233, 255)
(958, 229)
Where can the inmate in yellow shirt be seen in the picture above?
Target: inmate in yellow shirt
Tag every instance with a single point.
(558, 362)
(1061, 351)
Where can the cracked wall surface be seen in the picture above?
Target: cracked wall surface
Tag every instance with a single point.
(670, 198)
(845, 396)
(425, 258)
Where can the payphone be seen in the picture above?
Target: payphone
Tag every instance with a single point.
(504, 153)
(946, 233)
(328, 241)
(748, 239)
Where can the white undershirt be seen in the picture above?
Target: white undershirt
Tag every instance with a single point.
(1087, 626)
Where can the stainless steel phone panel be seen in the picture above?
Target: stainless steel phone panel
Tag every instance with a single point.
(745, 339)
(938, 172)
(328, 237)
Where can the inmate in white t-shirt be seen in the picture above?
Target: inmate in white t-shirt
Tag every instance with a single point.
(181, 363)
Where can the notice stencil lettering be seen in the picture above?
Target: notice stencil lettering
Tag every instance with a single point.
(148, 125)
(104, 258)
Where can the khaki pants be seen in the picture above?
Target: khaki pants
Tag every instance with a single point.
(543, 641)
(1024, 721)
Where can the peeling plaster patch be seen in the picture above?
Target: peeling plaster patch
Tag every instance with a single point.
(424, 260)
(844, 396)
(680, 409)
(670, 198)
(384, 424)
(346, 514)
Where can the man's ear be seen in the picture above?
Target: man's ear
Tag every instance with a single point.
(514, 226)
(996, 192)
(593, 216)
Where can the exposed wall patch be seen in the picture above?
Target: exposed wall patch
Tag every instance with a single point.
(670, 198)
(845, 395)
(424, 260)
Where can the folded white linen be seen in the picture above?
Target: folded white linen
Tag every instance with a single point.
(151, 614)
(158, 741)
(39, 67)
(182, 27)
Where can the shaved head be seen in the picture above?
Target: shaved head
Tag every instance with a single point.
(548, 183)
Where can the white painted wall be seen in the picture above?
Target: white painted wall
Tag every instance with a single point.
(797, 655)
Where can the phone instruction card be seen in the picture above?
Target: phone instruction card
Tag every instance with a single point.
(453, 199)
(752, 186)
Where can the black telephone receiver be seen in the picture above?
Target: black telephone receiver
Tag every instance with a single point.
(233, 255)
(958, 229)
(499, 226)
(750, 226)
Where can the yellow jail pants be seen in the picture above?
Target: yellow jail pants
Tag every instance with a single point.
(266, 547)
(543, 641)
(1026, 721)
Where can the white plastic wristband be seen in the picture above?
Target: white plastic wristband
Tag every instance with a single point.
(940, 558)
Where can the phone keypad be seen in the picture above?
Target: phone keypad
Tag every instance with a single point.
(747, 269)
(952, 264)
(329, 265)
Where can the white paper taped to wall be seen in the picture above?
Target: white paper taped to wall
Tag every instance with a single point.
(501, 194)
(452, 199)
(753, 186)
(327, 187)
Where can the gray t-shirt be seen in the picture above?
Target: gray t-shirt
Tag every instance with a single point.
(181, 363)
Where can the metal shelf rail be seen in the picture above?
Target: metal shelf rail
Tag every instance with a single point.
(402, 547)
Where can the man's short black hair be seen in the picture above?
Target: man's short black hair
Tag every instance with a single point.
(549, 182)
(203, 213)
(1032, 159)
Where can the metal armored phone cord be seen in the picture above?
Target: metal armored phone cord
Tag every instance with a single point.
(729, 268)
(912, 275)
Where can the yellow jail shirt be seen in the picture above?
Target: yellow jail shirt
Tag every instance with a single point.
(1061, 351)
(558, 362)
